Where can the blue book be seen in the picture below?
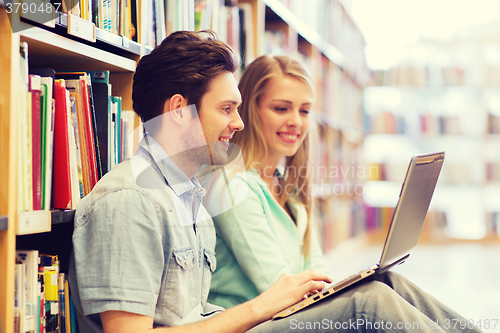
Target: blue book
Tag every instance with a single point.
(101, 93)
(72, 311)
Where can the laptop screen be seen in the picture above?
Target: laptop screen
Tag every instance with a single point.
(411, 209)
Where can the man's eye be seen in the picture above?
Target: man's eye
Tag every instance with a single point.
(227, 110)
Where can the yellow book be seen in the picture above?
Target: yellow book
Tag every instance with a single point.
(84, 11)
(66, 306)
(51, 283)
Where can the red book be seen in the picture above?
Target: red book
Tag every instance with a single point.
(36, 140)
(61, 183)
(89, 132)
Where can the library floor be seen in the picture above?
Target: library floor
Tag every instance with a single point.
(464, 276)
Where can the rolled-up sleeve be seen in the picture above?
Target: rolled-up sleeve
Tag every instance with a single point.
(119, 254)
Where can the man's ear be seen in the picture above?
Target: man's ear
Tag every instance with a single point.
(174, 107)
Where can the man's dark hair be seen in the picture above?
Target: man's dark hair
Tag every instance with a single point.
(184, 63)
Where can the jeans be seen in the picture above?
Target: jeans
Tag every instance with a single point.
(389, 303)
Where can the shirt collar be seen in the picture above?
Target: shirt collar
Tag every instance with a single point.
(176, 179)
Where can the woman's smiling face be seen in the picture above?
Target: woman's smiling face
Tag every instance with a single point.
(284, 109)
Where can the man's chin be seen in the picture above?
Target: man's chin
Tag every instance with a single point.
(218, 153)
(219, 159)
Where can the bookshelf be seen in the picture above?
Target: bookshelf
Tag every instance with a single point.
(48, 47)
(340, 76)
(443, 101)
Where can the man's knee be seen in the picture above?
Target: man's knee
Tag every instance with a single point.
(371, 295)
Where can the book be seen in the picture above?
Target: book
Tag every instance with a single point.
(133, 19)
(67, 319)
(25, 193)
(128, 118)
(19, 297)
(62, 179)
(102, 106)
(62, 304)
(89, 132)
(79, 158)
(72, 311)
(34, 89)
(116, 104)
(97, 150)
(80, 128)
(246, 34)
(47, 139)
(47, 131)
(30, 259)
(73, 163)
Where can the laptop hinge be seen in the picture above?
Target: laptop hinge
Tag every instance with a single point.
(397, 262)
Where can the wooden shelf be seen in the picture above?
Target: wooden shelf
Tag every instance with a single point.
(330, 51)
(66, 54)
(4, 223)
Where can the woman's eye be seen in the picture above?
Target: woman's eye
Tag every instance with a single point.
(305, 111)
(227, 110)
(280, 109)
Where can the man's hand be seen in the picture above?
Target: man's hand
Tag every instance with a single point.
(288, 290)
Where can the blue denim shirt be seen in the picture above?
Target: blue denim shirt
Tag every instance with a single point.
(143, 243)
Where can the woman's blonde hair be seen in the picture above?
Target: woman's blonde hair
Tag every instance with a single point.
(252, 140)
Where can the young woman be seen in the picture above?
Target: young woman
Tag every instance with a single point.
(270, 232)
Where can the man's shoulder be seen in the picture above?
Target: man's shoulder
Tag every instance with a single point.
(131, 180)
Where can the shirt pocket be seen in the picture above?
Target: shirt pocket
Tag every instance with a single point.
(179, 295)
(210, 264)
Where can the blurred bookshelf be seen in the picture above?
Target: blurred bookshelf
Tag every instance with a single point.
(442, 96)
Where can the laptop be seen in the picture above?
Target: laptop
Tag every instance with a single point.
(404, 231)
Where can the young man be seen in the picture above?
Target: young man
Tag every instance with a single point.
(144, 244)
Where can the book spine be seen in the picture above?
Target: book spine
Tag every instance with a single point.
(36, 126)
(89, 132)
(73, 164)
(62, 175)
(94, 128)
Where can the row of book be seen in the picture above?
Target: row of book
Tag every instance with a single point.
(121, 17)
(337, 159)
(493, 172)
(340, 97)
(413, 76)
(42, 299)
(340, 219)
(453, 173)
(387, 122)
(149, 22)
(379, 218)
(493, 124)
(493, 224)
(71, 132)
